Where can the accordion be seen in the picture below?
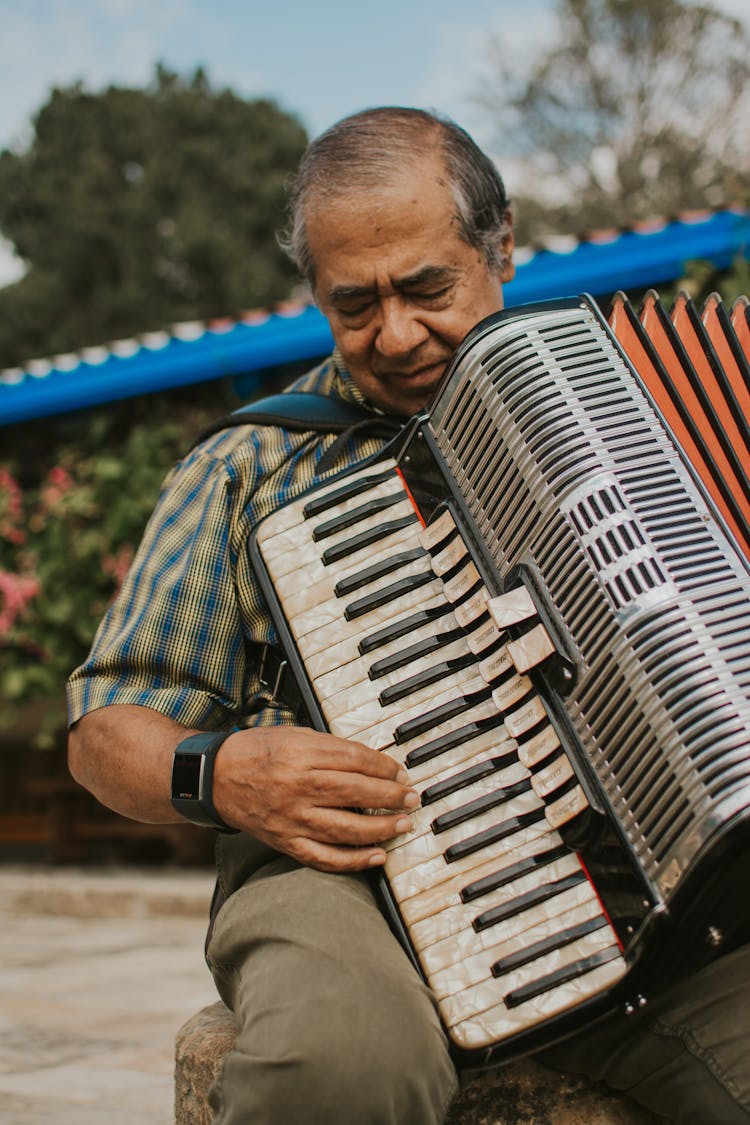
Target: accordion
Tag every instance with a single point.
(538, 601)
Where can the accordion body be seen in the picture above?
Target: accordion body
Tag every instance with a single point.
(534, 603)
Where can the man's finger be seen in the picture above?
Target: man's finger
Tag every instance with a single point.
(334, 789)
(340, 826)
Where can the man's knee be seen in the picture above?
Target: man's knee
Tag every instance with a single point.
(339, 1066)
(335, 1024)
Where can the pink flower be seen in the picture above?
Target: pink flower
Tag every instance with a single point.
(16, 591)
(60, 478)
(117, 566)
(11, 506)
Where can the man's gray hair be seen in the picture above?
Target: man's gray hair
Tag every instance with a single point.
(362, 150)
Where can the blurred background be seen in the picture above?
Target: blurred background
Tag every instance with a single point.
(145, 156)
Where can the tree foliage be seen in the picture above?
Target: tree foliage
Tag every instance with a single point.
(640, 109)
(136, 208)
(75, 494)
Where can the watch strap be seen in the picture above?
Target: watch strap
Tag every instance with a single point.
(192, 779)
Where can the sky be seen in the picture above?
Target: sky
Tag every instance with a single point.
(319, 59)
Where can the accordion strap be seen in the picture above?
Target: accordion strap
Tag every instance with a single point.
(299, 411)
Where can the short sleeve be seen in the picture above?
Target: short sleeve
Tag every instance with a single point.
(173, 640)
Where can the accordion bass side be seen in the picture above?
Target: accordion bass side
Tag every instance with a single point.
(536, 606)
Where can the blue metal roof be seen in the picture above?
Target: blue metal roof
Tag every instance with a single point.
(198, 353)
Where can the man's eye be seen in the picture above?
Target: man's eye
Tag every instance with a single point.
(432, 294)
(355, 312)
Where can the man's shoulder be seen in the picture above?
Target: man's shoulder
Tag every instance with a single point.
(243, 439)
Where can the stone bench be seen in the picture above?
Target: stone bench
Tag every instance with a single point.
(521, 1093)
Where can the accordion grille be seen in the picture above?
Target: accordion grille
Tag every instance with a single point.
(563, 464)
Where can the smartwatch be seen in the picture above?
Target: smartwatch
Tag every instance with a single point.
(192, 779)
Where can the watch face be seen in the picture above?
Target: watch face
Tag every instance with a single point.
(186, 776)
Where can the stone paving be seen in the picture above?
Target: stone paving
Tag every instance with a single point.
(98, 971)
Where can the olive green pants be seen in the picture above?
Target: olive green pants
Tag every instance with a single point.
(336, 1026)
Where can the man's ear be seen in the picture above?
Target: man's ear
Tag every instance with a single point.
(508, 269)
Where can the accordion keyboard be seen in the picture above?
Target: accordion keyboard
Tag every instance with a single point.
(407, 652)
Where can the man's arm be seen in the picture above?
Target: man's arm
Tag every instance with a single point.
(290, 787)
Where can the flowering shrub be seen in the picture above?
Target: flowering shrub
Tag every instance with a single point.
(71, 516)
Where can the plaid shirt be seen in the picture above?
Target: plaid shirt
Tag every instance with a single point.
(185, 632)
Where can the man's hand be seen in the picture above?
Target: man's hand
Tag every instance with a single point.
(296, 790)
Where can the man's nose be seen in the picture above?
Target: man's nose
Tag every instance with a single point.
(400, 330)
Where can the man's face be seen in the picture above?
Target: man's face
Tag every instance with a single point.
(398, 284)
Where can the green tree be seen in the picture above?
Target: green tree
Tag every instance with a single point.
(136, 208)
(640, 109)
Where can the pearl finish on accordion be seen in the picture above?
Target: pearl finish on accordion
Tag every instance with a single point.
(540, 430)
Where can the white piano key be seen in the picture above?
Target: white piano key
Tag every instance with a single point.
(455, 918)
(394, 544)
(423, 817)
(286, 553)
(342, 637)
(544, 743)
(433, 870)
(566, 808)
(325, 613)
(382, 733)
(373, 724)
(356, 668)
(309, 594)
(472, 608)
(449, 556)
(367, 690)
(552, 776)
(460, 584)
(495, 740)
(438, 530)
(521, 720)
(468, 942)
(483, 636)
(472, 970)
(406, 851)
(486, 994)
(512, 691)
(499, 1022)
(496, 665)
(435, 897)
(292, 514)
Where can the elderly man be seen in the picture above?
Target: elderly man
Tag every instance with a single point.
(402, 227)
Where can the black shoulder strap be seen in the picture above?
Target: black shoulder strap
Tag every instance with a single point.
(319, 413)
(298, 411)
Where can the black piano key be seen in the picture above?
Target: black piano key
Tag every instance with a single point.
(413, 727)
(365, 539)
(479, 805)
(527, 900)
(319, 504)
(492, 835)
(413, 652)
(508, 874)
(401, 628)
(387, 594)
(547, 945)
(370, 574)
(562, 976)
(355, 515)
(443, 670)
(466, 777)
(452, 739)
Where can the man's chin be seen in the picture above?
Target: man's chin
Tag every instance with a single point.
(408, 394)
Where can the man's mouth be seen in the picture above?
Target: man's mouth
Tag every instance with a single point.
(423, 375)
